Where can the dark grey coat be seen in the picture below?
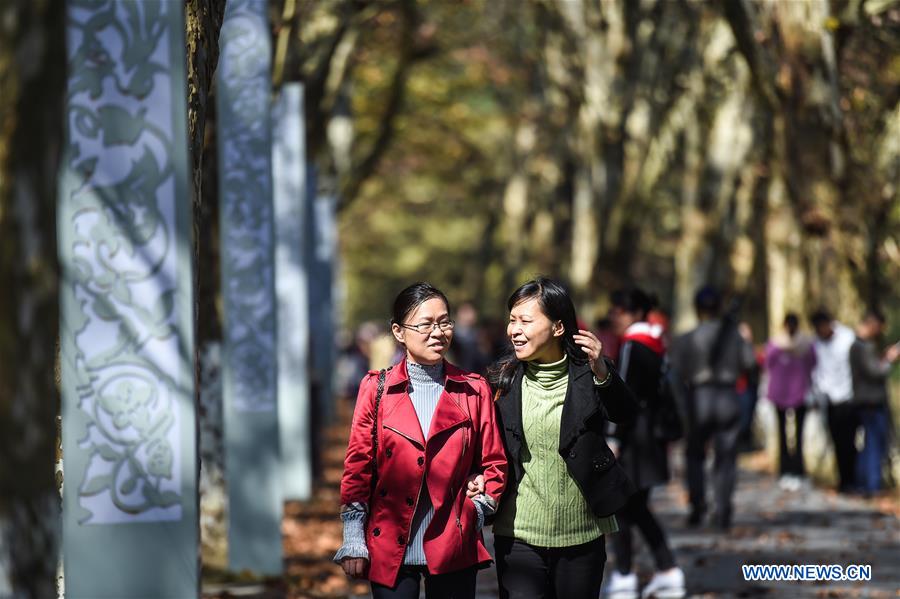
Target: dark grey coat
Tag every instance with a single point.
(870, 374)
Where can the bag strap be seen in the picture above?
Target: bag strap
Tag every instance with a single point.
(378, 393)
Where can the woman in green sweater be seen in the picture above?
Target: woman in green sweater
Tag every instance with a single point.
(555, 394)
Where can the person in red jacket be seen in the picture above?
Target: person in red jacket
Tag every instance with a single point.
(420, 432)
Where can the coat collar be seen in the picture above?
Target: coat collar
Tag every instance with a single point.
(400, 375)
(579, 405)
(400, 414)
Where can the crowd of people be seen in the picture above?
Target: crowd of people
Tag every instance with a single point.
(557, 434)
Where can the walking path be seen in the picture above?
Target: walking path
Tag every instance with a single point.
(772, 526)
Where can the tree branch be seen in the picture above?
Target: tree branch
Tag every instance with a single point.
(416, 44)
(743, 25)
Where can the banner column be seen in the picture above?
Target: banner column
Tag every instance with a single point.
(128, 419)
(289, 180)
(249, 366)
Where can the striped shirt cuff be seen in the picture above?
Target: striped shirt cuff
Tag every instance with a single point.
(485, 506)
(354, 521)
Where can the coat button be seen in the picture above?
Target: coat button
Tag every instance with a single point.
(601, 462)
(420, 461)
(409, 501)
(388, 452)
(382, 492)
(401, 540)
(376, 532)
(572, 454)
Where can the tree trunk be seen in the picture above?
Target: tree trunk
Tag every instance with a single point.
(32, 64)
(203, 23)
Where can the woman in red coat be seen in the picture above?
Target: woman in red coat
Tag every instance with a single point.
(413, 446)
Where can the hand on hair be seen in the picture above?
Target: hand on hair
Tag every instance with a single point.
(892, 353)
(593, 347)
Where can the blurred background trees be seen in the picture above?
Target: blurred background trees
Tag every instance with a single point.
(748, 144)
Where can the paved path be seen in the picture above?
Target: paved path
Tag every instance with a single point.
(772, 526)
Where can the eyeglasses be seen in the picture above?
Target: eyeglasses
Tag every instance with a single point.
(426, 328)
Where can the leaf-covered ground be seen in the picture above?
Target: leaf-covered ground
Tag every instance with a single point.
(772, 526)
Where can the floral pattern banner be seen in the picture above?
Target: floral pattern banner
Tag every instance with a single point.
(249, 364)
(126, 344)
(245, 174)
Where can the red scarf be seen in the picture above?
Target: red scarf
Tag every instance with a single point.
(649, 335)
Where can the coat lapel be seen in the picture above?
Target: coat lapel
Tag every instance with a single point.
(580, 404)
(398, 412)
(449, 413)
(509, 407)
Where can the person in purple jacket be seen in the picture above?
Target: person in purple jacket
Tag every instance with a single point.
(790, 359)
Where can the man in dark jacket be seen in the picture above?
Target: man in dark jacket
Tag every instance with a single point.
(870, 373)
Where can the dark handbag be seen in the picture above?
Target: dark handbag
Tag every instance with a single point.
(378, 393)
(668, 425)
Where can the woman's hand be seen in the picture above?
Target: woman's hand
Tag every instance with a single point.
(593, 347)
(892, 353)
(475, 485)
(355, 567)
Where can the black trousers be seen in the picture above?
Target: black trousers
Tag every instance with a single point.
(715, 414)
(843, 421)
(528, 572)
(637, 513)
(791, 462)
(453, 585)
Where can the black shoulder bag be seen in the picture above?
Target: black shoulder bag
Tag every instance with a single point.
(378, 393)
(668, 425)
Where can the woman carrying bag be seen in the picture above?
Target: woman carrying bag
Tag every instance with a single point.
(642, 450)
(554, 398)
(420, 430)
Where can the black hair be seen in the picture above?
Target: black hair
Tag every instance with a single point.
(604, 323)
(791, 321)
(820, 316)
(556, 304)
(875, 313)
(414, 296)
(634, 300)
(708, 300)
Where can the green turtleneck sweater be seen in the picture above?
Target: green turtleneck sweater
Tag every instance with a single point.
(547, 509)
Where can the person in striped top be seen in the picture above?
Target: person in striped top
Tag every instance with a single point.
(419, 432)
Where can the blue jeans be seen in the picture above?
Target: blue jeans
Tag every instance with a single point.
(874, 420)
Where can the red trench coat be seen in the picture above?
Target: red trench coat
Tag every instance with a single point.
(464, 439)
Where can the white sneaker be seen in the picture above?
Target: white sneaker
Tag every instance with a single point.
(790, 482)
(665, 585)
(620, 586)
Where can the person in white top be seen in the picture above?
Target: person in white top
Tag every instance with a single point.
(832, 384)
